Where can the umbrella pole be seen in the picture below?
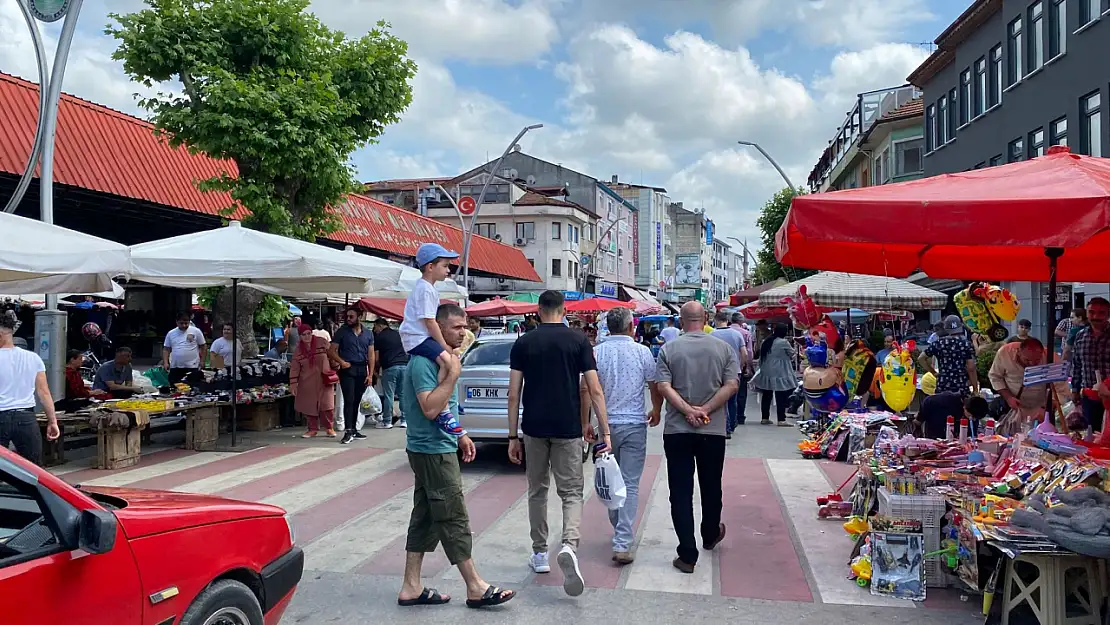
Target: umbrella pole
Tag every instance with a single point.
(234, 358)
(1053, 254)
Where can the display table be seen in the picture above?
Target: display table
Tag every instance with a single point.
(53, 451)
(1050, 583)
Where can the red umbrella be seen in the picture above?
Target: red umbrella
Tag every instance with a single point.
(987, 224)
(597, 304)
(388, 307)
(502, 307)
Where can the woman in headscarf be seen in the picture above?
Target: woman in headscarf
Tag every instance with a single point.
(314, 397)
(775, 377)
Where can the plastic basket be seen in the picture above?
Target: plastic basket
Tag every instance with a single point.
(929, 509)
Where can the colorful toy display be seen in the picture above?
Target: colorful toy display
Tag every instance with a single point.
(858, 369)
(820, 381)
(899, 377)
(983, 307)
(802, 309)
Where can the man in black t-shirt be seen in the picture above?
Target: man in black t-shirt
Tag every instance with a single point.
(935, 410)
(554, 365)
(393, 359)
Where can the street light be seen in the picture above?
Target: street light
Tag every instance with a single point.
(770, 160)
(469, 234)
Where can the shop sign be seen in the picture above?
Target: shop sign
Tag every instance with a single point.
(635, 238)
(658, 246)
(605, 289)
(397, 230)
(49, 10)
(572, 296)
(709, 232)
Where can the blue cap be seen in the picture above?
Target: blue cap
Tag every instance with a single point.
(428, 252)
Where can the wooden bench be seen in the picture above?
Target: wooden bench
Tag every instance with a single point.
(53, 451)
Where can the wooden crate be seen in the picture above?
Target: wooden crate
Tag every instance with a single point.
(117, 448)
(202, 428)
(259, 416)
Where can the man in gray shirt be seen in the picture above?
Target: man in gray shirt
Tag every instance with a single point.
(696, 375)
(735, 340)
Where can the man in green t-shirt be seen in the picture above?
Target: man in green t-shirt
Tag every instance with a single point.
(439, 509)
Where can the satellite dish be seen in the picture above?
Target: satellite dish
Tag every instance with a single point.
(531, 180)
(497, 237)
(513, 174)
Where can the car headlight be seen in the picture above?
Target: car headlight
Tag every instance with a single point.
(292, 532)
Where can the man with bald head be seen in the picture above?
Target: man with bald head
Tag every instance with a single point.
(696, 374)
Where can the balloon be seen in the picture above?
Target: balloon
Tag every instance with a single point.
(857, 359)
(802, 309)
(899, 384)
(973, 311)
(929, 383)
(1000, 302)
(830, 399)
(817, 352)
(825, 330)
(983, 306)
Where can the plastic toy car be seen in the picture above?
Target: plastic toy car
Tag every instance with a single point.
(115, 556)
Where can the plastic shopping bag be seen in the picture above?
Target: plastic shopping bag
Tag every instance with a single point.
(608, 482)
(371, 404)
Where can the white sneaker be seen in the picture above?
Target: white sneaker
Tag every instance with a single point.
(539, 563)
(573, 583)
(402, 424)
(384, 426)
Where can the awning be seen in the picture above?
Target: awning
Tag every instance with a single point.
(833, 289)
(645, 303)
(390, 308)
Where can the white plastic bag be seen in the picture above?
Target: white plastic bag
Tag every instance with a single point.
(371, 404)
(608, 482)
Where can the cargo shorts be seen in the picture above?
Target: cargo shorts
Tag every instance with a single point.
(438, 508)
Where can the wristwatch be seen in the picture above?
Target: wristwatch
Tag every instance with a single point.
(513, 437)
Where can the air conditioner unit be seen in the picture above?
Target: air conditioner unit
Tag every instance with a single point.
(504, 287)
(520, 243)
(501, 281)
(497, 237)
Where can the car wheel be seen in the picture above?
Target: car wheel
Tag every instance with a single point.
(226, 602)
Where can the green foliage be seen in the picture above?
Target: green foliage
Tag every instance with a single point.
(271, 313)
(269, 87)
(771, 216)
(875, 341)
(984, 358)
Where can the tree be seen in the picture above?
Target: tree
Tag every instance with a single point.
(267, 86)
(771, 216)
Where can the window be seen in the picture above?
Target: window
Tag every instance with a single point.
(942, 121)
(556, 268)
(532, 261)
(996, 76)
(965, 97)
(1036, 143)
(880, 174)
(908, 157)
(931, 128)
(980, 165)
(1058, 132)
(1017, 151)
(526, 230)
(495, 194)
(980, 101)
(1014, 51)
(996, 160)
(486, 230)
(1058, 28)
(1090, 119)
(1089, 10)
(556, 230)
(952, 110)
(1036, 35)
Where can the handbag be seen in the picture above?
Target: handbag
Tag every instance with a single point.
(331, 378)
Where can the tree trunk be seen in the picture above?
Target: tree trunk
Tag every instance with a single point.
(249, 299)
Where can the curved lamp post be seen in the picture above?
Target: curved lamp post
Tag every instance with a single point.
(770, 160)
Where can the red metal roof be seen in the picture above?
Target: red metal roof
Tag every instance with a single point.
(104, 150)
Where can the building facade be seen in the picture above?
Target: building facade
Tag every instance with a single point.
(692, 277)
(1011, 78)
(722, 261)
(609, 255)
(653, 232)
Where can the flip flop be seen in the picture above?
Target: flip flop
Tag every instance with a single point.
(429, 596)
(493, 596)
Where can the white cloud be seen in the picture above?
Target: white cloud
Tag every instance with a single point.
(884, 65)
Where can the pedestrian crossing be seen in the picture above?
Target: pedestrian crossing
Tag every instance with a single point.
(350, 507)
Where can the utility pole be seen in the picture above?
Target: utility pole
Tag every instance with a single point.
(770, 160)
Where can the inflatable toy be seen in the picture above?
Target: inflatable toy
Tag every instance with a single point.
(802, 309)
(983, 307)
(858, 368)
(899, 380)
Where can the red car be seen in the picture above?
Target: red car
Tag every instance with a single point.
(116, 556)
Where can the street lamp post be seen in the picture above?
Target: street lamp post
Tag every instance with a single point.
(469, 233)
(770, 160)
(745, 256)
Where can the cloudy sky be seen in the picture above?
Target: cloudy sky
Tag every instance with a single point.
(655, 91)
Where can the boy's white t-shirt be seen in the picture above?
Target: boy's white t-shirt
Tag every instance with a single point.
(421, 304)
(222, 347)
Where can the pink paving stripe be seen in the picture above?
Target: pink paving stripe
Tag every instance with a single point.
(317, 521)
(257, 490)
(595, 547)
(170, 481)
(757, 559)
(485, 504)
(836, 473)
(157, 457)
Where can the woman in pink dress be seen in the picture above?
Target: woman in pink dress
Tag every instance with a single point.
(313, 397)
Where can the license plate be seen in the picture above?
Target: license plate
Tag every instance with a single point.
(481, 392)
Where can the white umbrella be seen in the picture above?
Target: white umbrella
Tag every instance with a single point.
(834, 289)
(233, 255)
(42, 258)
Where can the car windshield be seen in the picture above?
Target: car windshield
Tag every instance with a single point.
(491, 353)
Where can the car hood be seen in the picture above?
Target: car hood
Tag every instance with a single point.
(147, 512)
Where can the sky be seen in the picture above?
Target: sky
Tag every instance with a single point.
(657, 92)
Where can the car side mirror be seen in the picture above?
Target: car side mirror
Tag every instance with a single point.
(97, 531)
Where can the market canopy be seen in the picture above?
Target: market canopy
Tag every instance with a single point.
(388, 307)
(839, 291)
(985, 224)
(216, 257)
(501, 308)
(36, 257)
(597, 305)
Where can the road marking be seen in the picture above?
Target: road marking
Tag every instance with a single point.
(323, 488)
(652, 569)
(148, 471)
(236, 477)
(171, 481)
(262, 488)
(82, 471)
(824, 543)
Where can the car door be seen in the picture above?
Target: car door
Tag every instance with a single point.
(43, 581)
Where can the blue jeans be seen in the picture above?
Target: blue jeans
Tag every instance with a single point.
(741, 401)
(630, 449)
(392, 379)
(730, 406)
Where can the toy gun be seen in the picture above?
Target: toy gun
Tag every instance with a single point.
(952, 555)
